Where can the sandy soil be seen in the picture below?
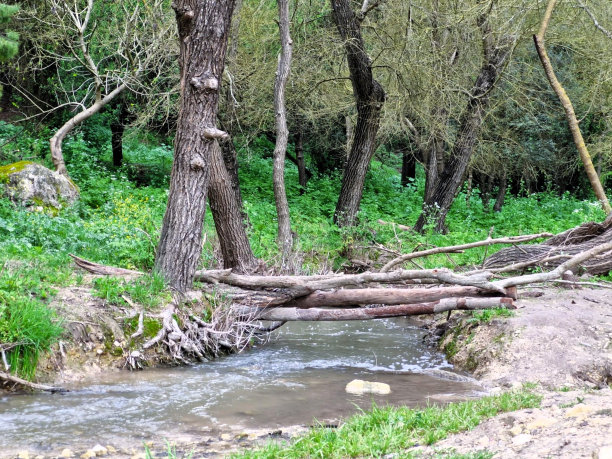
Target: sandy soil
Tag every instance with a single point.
(561, 341)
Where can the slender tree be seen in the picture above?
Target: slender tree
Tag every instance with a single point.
(285, 238)
(203, 28)
(570, 115)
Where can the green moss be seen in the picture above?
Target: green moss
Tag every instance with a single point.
(6, 171)
(150, 327)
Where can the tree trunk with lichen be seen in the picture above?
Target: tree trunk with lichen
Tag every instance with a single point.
(203, 28)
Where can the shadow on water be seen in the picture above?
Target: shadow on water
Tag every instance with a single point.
(296, 378)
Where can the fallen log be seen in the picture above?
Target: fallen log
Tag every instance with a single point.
(318, 314)
(455, 248)
(96, 268)
(556, 250)
(388, 296)
(303, 285)
(22, 382)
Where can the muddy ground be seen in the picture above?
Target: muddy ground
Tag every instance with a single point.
(559, 342)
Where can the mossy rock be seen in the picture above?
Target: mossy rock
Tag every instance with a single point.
(36, 187)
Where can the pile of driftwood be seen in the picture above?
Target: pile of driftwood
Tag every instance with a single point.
(396, 292)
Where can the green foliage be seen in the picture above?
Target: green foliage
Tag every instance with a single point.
(390, 430)
(27, 326)
(9, 41)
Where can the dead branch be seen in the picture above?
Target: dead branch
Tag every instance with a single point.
(556, 250)
(96, 268)
(22, 382)
(317, 314)
(455, 248)
(556, 273)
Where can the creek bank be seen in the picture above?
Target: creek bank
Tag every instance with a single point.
(560, 342)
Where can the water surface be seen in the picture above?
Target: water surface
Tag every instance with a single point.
(296, 378)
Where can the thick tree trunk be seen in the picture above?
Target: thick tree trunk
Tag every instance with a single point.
(285, 238)
(369, 96)
(226, 212)
(230, 159)
(437, 205)
(570, 115)
(203, 29)
(435, 307)
(58, 138)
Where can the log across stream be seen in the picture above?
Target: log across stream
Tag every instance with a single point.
(298, 376)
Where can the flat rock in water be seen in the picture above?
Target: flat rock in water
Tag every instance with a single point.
(359, 387)
(36, 187)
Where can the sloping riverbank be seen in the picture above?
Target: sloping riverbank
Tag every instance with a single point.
(560, 342)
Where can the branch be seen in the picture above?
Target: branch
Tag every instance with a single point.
(14, 379)
(556, 273)
(594, 19)
(455, 248)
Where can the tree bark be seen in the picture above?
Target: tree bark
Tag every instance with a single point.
(369, 97)
(437, 205)
(226, 212)
(570, 115)
(285, 238)
(316, 314)
(203, 28)
(58, 138)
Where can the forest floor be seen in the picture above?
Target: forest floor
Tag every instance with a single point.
(559, 344)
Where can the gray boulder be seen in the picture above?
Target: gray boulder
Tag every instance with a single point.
(37, 187)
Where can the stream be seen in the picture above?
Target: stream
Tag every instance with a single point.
(298, 377)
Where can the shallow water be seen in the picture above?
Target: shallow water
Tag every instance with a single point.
(296, 378)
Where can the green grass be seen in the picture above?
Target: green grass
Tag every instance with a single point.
(148, 290)
(486, 315)
(391, 430)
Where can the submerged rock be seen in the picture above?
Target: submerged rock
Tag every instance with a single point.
(36, 187)
(359, 387)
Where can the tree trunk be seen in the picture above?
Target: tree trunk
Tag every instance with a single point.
(299, 156)
(226, 212)
(501, 193)
(570, 115)
(56, 141)
(230, 159)
(285, 238)
(203, 28)
(369, 96)
(117, 129)
(408, 167)
(437, 205)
